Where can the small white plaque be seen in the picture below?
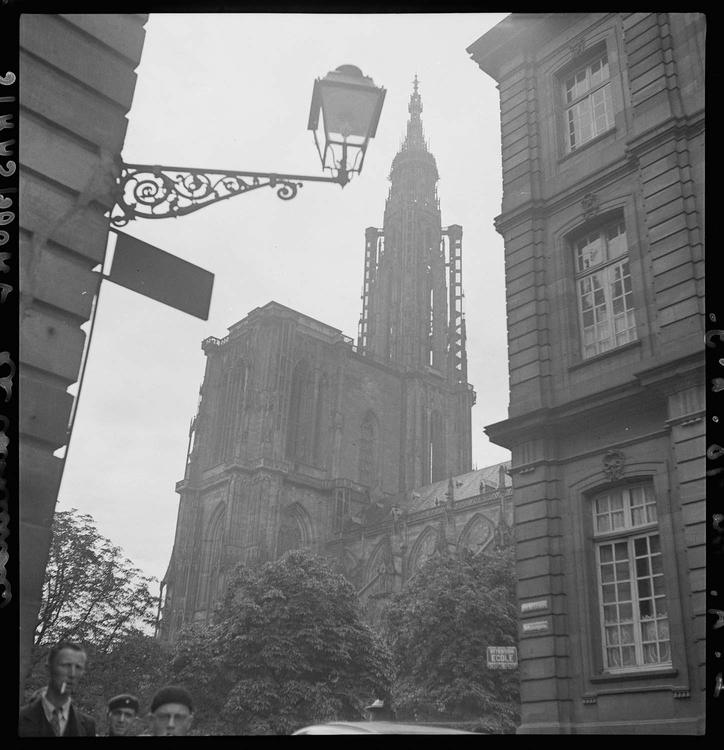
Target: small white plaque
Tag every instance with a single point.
(535, 626)
(502, 657)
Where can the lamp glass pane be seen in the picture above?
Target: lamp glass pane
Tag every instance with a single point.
(348, 112)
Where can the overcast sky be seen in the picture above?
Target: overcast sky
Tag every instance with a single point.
(233, 92)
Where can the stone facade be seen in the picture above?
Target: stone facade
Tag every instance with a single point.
(602, 126)
(77, 81)
(303, 439)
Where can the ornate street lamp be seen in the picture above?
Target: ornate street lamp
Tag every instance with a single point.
(345, 110)
(350, 105)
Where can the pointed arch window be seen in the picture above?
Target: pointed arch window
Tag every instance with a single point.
(369, 450)
(292, 532)
(320, 422)
(435, 454)
(220, 418)
(232, 390)
(301, 415)
(422, 550)
(431, 318)
(477, 534)
(211, 561)
(233, 407)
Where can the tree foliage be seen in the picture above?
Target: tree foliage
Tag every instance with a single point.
(439, 628)
(287, 647)
(94, 595)
(136, 663)
(91, 593)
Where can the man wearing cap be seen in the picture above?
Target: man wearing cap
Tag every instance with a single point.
(51, 713)
(171, 712)
(122, 712)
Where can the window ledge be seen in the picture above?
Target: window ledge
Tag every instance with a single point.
(646, 674)
(598, 357)
(584, 146)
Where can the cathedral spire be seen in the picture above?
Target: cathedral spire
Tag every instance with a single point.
(415, 137)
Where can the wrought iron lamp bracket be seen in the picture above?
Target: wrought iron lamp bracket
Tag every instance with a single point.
(155, 192)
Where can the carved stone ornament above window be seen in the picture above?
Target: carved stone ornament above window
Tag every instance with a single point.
(613, 464)
(589, 204)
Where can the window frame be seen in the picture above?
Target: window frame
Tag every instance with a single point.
(605, 268)
(629, 533)
(583, 64)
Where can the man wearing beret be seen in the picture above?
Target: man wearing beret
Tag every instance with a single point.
(122, 712)
(171, 712)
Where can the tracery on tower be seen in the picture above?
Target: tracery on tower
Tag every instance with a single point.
(412, 298)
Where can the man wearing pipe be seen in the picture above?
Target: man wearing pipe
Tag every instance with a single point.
(51, 713)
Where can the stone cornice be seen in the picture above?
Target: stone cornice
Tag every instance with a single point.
(670, 377)
(650, 386)
(546, 422)
(283, 469)
(673, 127)
(517, 32)
(541, 208)
(588, 453)
(205, 484)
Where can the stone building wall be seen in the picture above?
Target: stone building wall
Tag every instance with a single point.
(586, 425)
(77, 81)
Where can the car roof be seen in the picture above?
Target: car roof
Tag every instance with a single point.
(376, 727)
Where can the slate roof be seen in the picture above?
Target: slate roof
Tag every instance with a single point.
(465, 485)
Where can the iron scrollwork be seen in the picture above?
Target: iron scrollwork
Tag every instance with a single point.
(152, 192)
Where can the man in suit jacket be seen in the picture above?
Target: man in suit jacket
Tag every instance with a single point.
(51, 713)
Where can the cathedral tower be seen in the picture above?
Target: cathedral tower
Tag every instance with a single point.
(412, 313)
(300, 436)
(412, 296)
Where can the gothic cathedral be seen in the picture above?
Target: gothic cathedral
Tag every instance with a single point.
(361, 453)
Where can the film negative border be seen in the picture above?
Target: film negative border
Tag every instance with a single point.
(714, 346)
(9, 340)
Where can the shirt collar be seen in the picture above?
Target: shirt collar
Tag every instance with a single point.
(48, 707)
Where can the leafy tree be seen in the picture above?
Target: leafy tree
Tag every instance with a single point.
(288, 646)
(94, 595)
(91, 593)
(439, 628)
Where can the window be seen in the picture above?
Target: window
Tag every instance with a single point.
(210, 567)
(431, 323)
(341, 508)
(300, 425)
(292, 529)
(434, 469)
(631, 591)
(369, 451)
(589, 111)
(605, 298)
